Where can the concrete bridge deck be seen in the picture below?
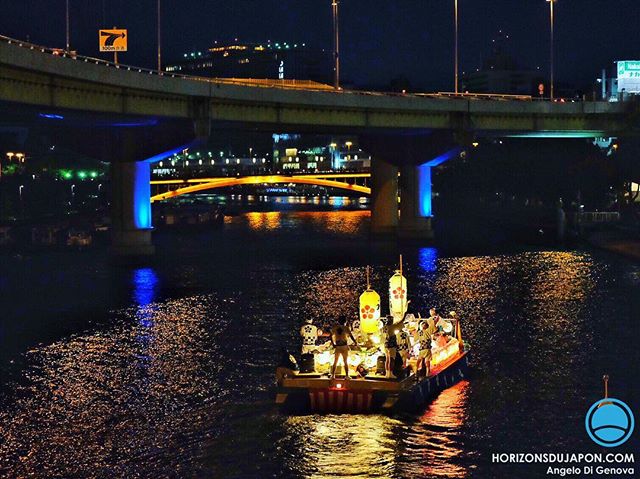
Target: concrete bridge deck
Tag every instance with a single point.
(32, 75)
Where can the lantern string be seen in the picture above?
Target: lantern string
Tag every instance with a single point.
(368, 283)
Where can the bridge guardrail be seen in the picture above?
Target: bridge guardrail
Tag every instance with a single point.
(594, 217)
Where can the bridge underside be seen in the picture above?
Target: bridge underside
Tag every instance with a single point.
(99, 136)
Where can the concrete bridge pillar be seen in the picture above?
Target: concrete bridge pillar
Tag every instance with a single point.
(384, 197)
(415, 202)
(130, 204)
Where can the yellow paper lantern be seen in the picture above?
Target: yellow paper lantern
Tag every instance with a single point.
(398, 295)
(369, 311)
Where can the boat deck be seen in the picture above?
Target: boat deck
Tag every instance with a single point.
(370, 382)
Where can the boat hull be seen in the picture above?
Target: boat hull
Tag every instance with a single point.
(314, 394)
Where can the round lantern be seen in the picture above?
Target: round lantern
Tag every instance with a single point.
(398, 295)
(369, 311)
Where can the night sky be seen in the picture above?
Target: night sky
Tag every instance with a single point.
(381, 39)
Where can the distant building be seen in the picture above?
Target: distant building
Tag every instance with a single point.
(259, 61)
(500, 73)
(296, 153)
(623, 82)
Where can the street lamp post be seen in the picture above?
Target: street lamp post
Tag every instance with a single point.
(159, 43)
(336, 44)
(68, 36)
(551, 20)
(455, 75)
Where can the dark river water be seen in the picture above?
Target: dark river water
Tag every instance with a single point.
(166, 370)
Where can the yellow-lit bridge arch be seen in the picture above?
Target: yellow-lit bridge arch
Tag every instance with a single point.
(330, 180)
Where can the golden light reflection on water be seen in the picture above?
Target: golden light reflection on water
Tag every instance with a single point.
(343, 223)
(562, 276)
(345, 446)
(267, 221)
(472, 278)
(145, 392)
(439, 433)
(382, 446)
(101, 402)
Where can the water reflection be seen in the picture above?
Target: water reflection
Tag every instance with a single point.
(145, 282)
(436, 436)
(268, 221)
(344, 446)
(339, 223)
(181, 387)
(427, 259)
(106, 402)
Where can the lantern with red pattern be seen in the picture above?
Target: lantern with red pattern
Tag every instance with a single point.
(398, 294)
(369, 311)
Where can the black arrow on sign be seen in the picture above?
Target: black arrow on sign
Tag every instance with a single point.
(111, 37)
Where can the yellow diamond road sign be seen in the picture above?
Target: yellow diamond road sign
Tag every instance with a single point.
(114, 40)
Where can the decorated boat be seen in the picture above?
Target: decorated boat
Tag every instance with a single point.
(416, 374)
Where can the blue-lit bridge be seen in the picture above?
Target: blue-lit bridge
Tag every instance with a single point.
(137, 117)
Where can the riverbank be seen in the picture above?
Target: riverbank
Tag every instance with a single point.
(620, 242)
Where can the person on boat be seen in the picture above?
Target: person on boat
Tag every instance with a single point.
(435, 318)
(340, 335)
(389, 331)
(425, 332)
(453, 319)
(287, 366)
(309, 333)
(404, 345)
(357, 332)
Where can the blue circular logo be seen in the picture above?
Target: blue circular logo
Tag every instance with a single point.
(609, 422)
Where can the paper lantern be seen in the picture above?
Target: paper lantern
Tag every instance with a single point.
(369, 311)
(398, 295)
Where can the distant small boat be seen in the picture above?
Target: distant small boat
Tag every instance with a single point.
(79, 238)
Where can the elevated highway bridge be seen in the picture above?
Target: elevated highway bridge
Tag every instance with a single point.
(137, 116)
